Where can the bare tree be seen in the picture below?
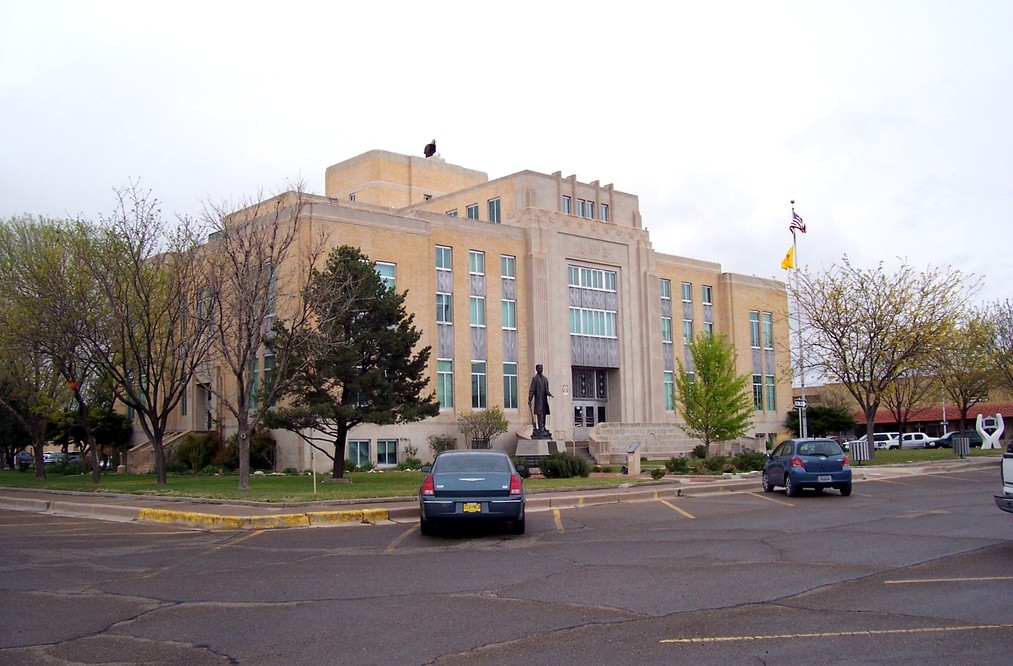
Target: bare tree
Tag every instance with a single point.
(149, 275)
(963, 362)
(907, 394)
(259, 256)
(866, 328)
(1000, 316)
(31, 390)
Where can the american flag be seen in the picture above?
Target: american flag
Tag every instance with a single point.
(796, 223)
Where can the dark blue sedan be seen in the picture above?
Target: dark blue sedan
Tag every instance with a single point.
(474, 486)
(807, 463)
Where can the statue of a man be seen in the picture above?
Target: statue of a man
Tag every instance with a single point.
(538, 402)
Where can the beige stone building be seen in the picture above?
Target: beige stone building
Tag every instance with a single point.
(530, 269)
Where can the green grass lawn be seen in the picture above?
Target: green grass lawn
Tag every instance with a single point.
(363, 485)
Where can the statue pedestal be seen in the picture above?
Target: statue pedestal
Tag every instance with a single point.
(533, 448)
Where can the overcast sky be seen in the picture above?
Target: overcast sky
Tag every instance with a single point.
(888, 122)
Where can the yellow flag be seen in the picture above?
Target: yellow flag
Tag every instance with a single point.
(789, 259)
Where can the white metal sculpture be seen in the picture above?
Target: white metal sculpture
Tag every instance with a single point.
(991, 429)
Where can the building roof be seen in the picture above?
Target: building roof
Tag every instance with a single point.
(935, 414)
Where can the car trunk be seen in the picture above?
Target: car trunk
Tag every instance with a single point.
(823, 464)
(473, 484)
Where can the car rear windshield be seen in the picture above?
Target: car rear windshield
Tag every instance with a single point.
(820, 448)
(471, 463)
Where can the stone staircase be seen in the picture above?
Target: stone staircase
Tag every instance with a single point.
(141, 457)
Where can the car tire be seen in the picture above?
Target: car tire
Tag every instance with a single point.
(517, 527)
(846, 490)
(790, 488)
(768, 487)
(426, 528)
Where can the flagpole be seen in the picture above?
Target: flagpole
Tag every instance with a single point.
(803, 421)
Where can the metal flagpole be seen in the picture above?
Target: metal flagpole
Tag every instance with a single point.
(803, 421)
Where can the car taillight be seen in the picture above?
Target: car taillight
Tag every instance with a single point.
(515, 485)
(846, 462)
(428, 487)
(797, 462)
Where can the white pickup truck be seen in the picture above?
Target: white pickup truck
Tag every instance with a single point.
(1005, 501)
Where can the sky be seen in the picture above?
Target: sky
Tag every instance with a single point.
(889, 123)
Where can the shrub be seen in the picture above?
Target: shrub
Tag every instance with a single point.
(677, 465)
(607, 469)
(196, 450)
(350, 466)
(440, 443)
(70, 469)
(177, 467)
(657, 473)
(564, 466)
(716, 463)
(262, 451)
(409, 463)
(700, 451)
(291, 471)
(748, 461)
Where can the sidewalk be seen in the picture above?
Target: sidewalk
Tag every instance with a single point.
(220, 514)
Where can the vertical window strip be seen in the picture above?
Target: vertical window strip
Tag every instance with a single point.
(510, 386)
(754, 329)
(444, 308)
(669, 383)
(494, 210)
(757, 393)
(771, 394)
(768, 330)
(477, 306)
(508, 266)
(479, 389)
(445, 383)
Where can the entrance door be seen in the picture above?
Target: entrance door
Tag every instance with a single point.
(590, 400)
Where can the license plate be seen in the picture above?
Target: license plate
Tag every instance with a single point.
(824, 478)
(471, 507)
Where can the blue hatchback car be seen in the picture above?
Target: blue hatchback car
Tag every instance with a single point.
(807, 463)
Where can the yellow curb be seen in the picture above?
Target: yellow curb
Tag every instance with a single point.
(212, 522)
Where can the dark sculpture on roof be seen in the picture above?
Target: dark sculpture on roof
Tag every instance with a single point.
(431, 149)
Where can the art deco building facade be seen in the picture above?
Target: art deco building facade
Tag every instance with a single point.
(531, 269)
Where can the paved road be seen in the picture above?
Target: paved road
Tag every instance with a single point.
(909, 569)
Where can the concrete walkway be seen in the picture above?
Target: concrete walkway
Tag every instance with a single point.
(236, 515)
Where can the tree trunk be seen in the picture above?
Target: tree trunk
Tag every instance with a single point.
(243, 437)
(159, 449)
(338, 471)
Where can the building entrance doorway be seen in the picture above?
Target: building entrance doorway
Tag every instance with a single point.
(590, 400)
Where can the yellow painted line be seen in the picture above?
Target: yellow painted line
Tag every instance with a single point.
(835, 634)
(558, 519)
(580, 501)
(771, 499)
(672, 506)
(914, 581)
(404, 535)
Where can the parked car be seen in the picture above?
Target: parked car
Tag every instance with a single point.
(53, 457)
(1005, 501)
(880, 440)
(74, 458)
(946, 441)
(807, 463)
(25, 459)
(474, 486)
(916, 440)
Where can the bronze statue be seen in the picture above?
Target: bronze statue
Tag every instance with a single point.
(538, 403)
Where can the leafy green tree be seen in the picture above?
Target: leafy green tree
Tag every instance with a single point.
(823, 420)
(359, 365)
(715, 402)
(480, 427)
(965, 362)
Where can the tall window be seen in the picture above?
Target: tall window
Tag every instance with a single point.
(386, 452)
(268, 369)
(445, 383)
(708, 294)
(666, 329)
(477, 304)
(358, 451)
(566, 204)
(494, 210)
(604, 209)
(444, 258)
(479, 390)
(768, 330)
(580, 207)
(509, 314)
(444, 308)
(771, 394)
(508, 266)
(758, 393)
(476, 262)
(510, 387)
(472, 211)
(669, 391)
(687, 292)
(687, 331)
(666, 290)
(387, 273)
(708, 327)
(754, 329)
